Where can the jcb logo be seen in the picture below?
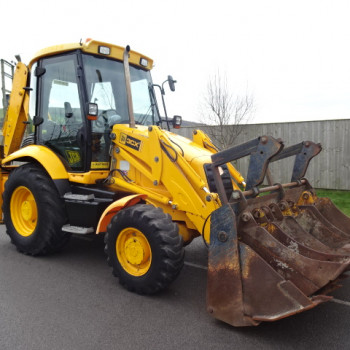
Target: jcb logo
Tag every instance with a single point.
(73, 157)
(130, 141)
(123, 139)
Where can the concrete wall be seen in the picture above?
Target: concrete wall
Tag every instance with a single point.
(330, 169)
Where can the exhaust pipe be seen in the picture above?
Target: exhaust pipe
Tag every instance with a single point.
(128, 86)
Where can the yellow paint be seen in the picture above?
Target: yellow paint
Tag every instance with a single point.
(99, 165)
(177, 185)
(133, 251)
(122, 185)
(4, 174)
(24, 212)
(91, 46)
(307, 198)
(165, 168)
(17, 112)
(287, 212)
(113, 208)
(271, 228)
(187, 229)
(88, 178)
(187, 234)
(47, 158)
(203, 140)
(198, 222)
(2, 183)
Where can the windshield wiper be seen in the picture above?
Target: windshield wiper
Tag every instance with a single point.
(154, 104)
(146, 115)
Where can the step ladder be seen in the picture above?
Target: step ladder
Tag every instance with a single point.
(78, 198)
(7, 70)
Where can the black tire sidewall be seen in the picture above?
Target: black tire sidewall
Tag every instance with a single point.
(40, 240)
(149, 276)
(155, 278)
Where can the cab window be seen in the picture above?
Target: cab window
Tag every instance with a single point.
(61, 111)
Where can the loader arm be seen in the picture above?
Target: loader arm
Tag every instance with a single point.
(159, 169)
(202, 139)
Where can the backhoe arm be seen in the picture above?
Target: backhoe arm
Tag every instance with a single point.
(17, 112)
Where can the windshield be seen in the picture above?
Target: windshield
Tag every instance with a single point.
(106, 87)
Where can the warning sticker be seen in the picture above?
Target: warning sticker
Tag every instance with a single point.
(99, 165)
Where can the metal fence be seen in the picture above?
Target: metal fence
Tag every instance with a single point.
(329, 170)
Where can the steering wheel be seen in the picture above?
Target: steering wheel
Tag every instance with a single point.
(101, 121)
(105, 118)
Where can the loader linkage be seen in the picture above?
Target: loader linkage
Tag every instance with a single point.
(278, 254)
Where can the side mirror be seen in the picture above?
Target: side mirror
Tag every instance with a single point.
(171, 82)
(177, 121)
(68, 112)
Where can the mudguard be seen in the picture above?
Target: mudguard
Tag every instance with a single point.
(43, 155)
(113, 208)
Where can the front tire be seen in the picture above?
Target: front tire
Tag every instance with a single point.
(144, 248)
(33, 211)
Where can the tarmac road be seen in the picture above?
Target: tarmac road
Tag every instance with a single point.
(71, 301)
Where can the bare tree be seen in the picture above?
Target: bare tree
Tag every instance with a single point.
(225, 112)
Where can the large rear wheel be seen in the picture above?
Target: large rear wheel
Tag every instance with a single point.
(33, 211)
(144, 248)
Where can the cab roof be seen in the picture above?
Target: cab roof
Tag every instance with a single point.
(94, 47)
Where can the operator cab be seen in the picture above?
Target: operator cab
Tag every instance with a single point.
(67, 84)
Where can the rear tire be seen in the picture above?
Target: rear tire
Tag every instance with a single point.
(33, 211)
(144, 248)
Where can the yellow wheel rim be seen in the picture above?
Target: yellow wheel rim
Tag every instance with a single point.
(24, 212)
(133, 251)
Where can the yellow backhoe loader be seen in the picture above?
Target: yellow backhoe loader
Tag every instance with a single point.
(85, 151)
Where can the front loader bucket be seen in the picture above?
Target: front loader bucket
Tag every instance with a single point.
(275, 255)
(253, 277)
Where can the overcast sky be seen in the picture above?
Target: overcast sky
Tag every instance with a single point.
(292, 56)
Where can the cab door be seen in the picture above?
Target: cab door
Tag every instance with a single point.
(61, 125)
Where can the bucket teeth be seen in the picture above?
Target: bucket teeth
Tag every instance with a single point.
(293, 229)
(307, 273)
(312, 222)
(331, 213)
(279, 251)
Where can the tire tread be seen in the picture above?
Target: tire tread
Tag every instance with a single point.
(168, 240)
